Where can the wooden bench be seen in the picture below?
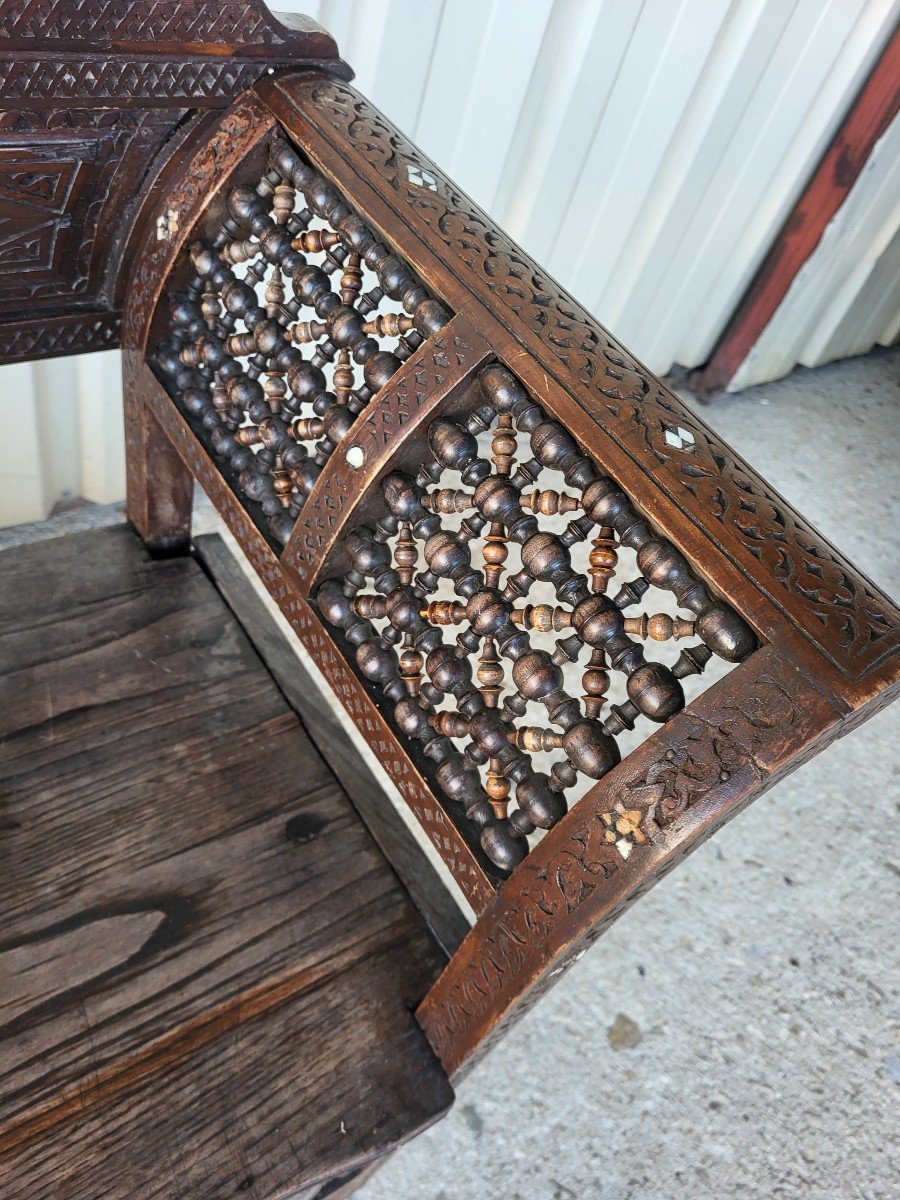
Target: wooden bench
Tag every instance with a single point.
(575, 629)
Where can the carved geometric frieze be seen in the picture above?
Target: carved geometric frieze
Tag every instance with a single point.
(123, 21)
(51, 201)
(68, 334)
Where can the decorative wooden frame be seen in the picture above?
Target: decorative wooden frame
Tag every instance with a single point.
(828, 639)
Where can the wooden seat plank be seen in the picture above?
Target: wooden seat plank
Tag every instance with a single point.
(207, 967)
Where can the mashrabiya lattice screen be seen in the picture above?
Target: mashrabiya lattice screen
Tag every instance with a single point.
(508, 656)
(294, 316)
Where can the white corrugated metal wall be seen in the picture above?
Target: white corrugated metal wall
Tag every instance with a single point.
(646, 151)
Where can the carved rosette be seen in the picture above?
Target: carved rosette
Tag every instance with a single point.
(486, 588)
(294, 315)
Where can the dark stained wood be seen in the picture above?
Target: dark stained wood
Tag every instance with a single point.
(447, 830)
(160, 489)
(701, 769)
(441, 913)
(208, 966)
(94, 95)
(870, 114)
(640, 472)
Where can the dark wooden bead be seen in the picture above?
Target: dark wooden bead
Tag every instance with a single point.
(590, 749)
(379, 369)
(305, 476)
(281, 525)
(197, 402)
(544, 557)
(309, 284)
(186, 312)
(655, 691)
(345, 326)
(430, 316)
(393, 275)
(356, 233)
(487, 612)
(244, 391)
(540, 804)
(452, 446)
(376, 663)
(238, 297)
(284, 158)
(536, 675)
(403, 610)
(726, 634)
(447, 672)
(305, 380)
(502, 388)
(459, 782)
(497, 500)
(338, 422)
(552, 446)
(203, 258)
(501, 846)
(489, 730)
(402, 496)
(275, 243)
(604, 501)
(663, 565)
(447, 555)
(412, 719)
(269, 337)
(597, 620)
(245, 205)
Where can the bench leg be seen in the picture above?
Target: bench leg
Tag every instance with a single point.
(159, 486)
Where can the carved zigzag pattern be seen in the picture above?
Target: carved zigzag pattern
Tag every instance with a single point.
(122, 80)
(43, 341)
(162, 20)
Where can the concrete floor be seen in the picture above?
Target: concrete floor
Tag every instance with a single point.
(736, 1033)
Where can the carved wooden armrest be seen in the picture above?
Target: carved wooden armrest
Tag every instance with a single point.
(577, 630)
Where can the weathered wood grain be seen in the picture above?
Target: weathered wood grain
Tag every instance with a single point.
(207, 966)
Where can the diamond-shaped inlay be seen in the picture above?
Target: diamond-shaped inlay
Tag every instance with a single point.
(679, 438)
(421, 178)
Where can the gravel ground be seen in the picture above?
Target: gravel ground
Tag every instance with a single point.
(736, 1033)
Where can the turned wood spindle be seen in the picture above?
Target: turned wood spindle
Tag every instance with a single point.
(406, 554)
(658, 627)
(351, 280)
(602, 562)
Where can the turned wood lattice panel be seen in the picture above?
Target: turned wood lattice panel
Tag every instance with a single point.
(505, 602)
(294, 317)
(480, 605)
